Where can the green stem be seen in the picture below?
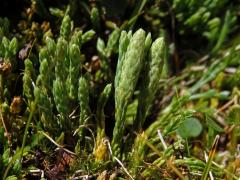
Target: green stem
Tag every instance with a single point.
(33, 107)
(1, 89)
(24, 139)
(138, 8)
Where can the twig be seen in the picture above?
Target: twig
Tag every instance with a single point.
(73, 112)
(5, 127)
(225, 106)
(171, 165)
(119, 162)
(123, 167)
(47, 136)
(109, 147)
(37, 171)
(161, 139)
(85, 126)
(83, 177)
(58, 145)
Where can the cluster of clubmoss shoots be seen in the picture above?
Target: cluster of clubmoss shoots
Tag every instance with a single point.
(60, 80)
(136, 51)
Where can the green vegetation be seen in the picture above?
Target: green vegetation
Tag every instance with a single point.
(120, 90)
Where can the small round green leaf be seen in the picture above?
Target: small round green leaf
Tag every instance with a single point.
(191, 127)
